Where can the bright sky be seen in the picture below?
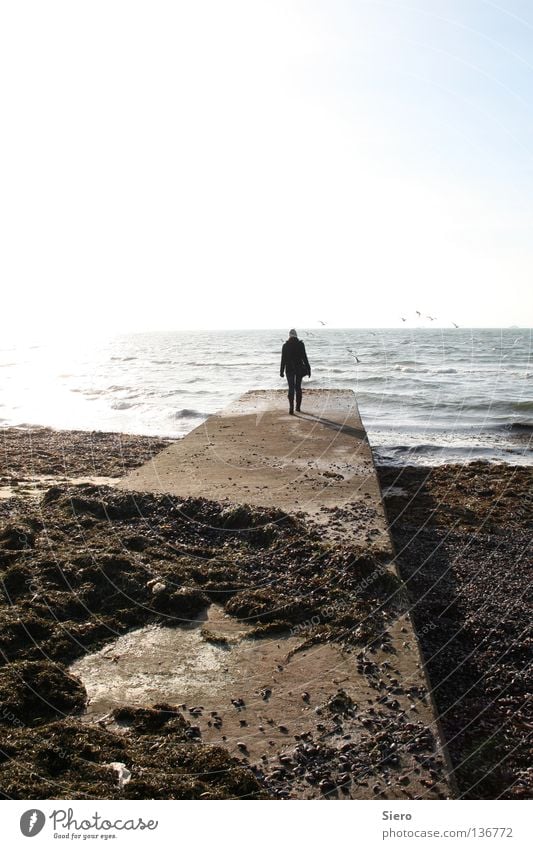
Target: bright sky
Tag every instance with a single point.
(265, 163)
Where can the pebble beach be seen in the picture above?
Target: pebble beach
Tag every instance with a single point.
(69, 549)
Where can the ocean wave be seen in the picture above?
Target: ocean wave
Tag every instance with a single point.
(520, 406)
(121, 405)
(196, 379)
(169, 393)
(188, 414)
(501, 410)
(429, 455)
(523, 375)
(372, 378)
(519, 427)
(226, 364)
(410, 369)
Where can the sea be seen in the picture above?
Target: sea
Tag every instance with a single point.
(426, 395)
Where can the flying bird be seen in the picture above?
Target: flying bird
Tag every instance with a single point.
(404, 319)
(431, 318)
(454, 324)
(323, 323)
(419, 314)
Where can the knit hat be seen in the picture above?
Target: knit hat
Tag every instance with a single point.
(293, 333)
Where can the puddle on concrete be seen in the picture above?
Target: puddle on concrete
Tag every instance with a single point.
(154, 664)
(180, 666)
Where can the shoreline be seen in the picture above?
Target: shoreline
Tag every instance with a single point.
(421, 453)
(446, 522)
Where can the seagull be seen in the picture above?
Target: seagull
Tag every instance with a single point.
(454, 324)
(419, 314)
(323, 323)
(404, 319)
(431, 318)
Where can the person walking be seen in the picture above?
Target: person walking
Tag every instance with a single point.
(295, 365)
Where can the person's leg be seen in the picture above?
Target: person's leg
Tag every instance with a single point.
(290, 395)
(298, 388)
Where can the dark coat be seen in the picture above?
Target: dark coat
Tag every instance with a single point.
(293, 358)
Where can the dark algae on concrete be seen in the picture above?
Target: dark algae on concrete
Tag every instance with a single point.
(88, 563)
(67, 759)
(84, 564)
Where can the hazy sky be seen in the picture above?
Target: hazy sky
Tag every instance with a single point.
(255, 163)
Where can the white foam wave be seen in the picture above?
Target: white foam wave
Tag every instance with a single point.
(121, 405)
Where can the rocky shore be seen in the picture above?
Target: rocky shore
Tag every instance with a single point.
(82, 563)
(463, 538)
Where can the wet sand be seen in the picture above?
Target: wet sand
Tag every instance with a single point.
(57, 607)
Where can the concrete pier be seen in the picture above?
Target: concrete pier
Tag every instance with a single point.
(253, 451)
(317, 463)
